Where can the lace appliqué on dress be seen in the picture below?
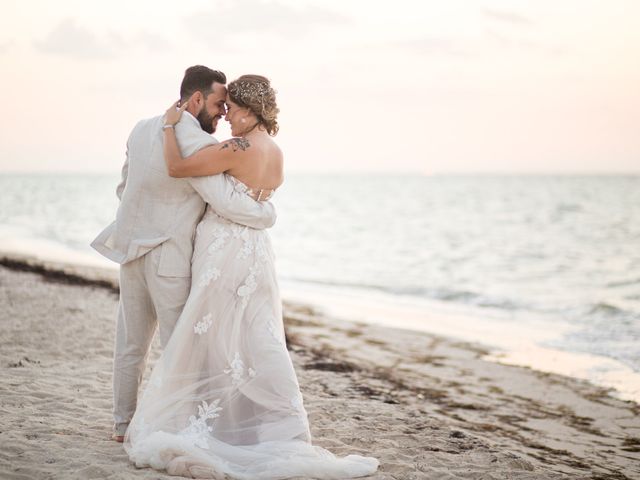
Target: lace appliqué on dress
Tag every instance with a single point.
(203, 325)
(211, 273)
(247, 247)
(198, 429)
(219, 234)
(249, 286)
(237, 370)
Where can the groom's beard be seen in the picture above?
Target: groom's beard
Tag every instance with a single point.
(206, 121)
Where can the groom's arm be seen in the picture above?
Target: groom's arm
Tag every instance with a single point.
(125, 168)
(123, 180)
(218, 191)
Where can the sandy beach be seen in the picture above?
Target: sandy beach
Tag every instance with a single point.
(427, 407)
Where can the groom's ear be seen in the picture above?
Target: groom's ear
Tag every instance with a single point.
(196, 100)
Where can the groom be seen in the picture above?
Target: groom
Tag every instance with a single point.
(152, 236)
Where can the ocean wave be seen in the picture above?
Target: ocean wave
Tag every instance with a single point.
(569, 207)
(624, 283)
(443, 294)
(609, 310)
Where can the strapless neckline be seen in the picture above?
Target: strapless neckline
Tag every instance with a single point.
(253, 192)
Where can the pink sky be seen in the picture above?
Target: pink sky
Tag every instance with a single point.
(457, 86)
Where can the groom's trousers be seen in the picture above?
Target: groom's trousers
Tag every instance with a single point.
(147, 301)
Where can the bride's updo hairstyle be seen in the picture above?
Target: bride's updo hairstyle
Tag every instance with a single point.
(255, 93)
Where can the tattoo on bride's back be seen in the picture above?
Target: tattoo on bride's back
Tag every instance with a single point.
(236, 144)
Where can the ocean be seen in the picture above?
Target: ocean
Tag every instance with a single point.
(544, 269)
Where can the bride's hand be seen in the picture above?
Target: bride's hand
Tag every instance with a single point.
(173, 113)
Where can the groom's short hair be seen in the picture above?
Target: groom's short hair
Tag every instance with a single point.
(199, 79)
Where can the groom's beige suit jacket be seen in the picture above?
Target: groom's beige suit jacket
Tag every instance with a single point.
(157, 210)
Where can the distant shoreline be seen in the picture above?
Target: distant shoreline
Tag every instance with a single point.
(390, 173)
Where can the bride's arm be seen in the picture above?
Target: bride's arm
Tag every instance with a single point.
(208, 161)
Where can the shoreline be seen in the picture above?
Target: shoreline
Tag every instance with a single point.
(507, 342)
(428, 406)
(620, 380)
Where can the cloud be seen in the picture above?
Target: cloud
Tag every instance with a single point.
(117, 41)
(5, 46)
(260, 16)
(509, 42)
(153, 42)
(71, 40)
(434, 45)
(519, 40)
(508, 17)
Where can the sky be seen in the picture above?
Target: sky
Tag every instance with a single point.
(422, 87)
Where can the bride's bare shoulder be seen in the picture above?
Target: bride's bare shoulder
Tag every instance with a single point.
(275, 151)
(278, 156)
(275, 168)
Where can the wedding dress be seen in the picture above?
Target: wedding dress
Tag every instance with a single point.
(223, 399)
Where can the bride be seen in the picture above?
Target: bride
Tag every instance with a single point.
(224, 398)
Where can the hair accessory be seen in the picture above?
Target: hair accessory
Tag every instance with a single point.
(245, 91)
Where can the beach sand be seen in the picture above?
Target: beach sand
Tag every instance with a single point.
(427, 407)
